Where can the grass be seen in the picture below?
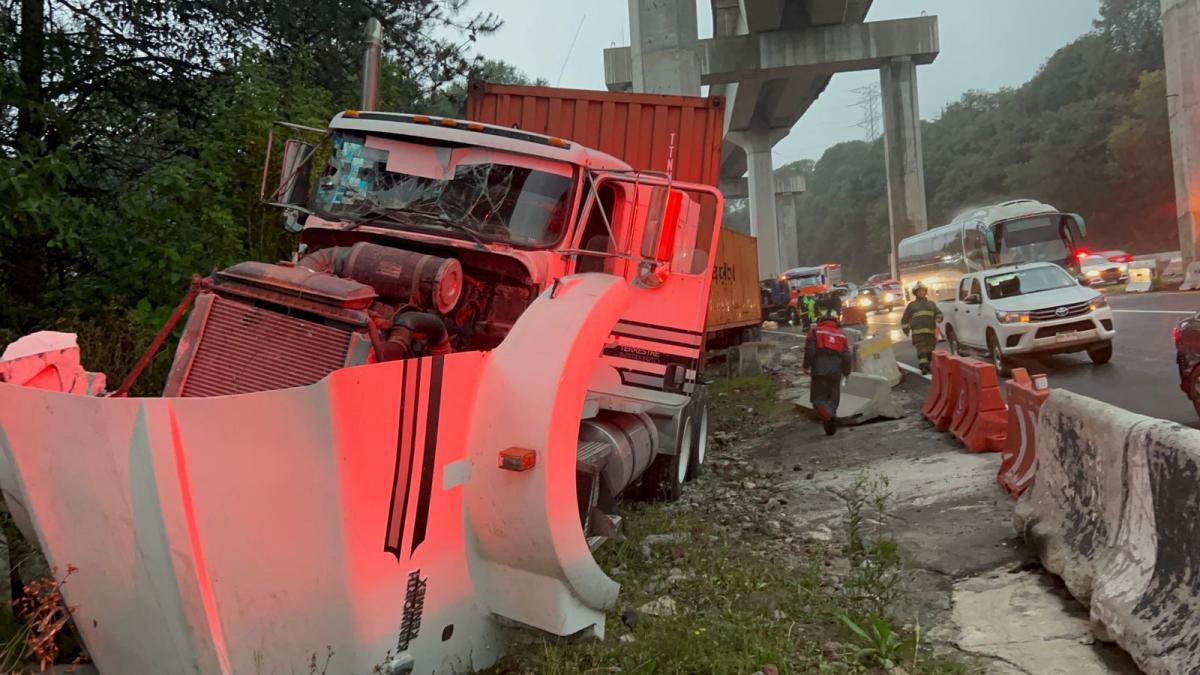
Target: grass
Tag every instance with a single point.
(739, 607)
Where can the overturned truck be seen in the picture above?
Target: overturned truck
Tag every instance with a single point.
(402, 441)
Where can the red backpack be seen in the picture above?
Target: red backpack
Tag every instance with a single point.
(830, 336)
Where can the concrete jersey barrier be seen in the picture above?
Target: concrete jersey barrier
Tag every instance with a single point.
(877, 356)
(1191, 279)
(1141, 280)
(1115, 512)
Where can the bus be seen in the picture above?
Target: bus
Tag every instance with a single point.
(1016, 231)
(812, 280)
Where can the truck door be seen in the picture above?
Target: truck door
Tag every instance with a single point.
(968, 307)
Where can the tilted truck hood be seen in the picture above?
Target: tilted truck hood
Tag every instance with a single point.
(363, 514)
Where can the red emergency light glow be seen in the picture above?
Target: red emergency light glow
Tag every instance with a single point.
(517, 459)
(1176, 333)
(1081, 254)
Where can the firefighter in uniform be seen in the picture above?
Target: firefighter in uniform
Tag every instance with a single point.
(828, 359)
(920, 320)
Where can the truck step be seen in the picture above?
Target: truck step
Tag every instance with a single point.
(612, 529)
(591, 456)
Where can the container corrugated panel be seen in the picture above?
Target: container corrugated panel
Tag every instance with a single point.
(734, 298)
(245, 349)
(633, 127)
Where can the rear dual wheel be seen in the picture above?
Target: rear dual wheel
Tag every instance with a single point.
(667, 473)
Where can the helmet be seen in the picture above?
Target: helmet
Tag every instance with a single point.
(920, 286)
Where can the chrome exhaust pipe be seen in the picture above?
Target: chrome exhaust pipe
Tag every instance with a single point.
(370, 75)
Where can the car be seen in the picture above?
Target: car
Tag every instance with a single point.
(1097, 269)
(1187, 357)
(878, 299)
(1031, 308)
(878, 279)
(897, 292)
(1116, 256)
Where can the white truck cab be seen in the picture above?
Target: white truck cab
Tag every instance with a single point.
(1027, 309)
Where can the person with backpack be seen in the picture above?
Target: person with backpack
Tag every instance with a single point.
(827, 358)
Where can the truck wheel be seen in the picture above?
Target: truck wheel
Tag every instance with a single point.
(952, 341)
(665, 477)
(1100, 354)
(996, 355)
(699, 444)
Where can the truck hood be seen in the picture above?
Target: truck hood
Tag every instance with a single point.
(1044, 299)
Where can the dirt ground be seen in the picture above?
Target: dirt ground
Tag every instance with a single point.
(974, 587)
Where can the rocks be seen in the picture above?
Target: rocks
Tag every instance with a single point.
(627, 639)
(663, 607)
(671, 538)
(771, 528)
(630, 617)
(822, 534)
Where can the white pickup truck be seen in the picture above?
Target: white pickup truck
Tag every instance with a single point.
(1035, 308)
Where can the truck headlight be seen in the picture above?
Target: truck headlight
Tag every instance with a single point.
(1098, 302)
(1012, 317)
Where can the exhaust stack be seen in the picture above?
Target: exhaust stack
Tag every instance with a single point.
(370, 76)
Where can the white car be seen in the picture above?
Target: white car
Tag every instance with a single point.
(1035, 308)
(1098, 269)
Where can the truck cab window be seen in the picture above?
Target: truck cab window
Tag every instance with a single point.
(595, 233)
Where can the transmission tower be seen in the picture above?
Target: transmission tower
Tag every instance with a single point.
(868, 103)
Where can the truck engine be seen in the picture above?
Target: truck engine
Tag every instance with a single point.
(258, 326)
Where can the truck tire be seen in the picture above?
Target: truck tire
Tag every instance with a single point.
(1101, 354)
(700, 441)
(666, 475)
(995, 354)
(952, 341)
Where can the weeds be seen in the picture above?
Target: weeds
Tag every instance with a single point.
(42, 614)
(876, 578)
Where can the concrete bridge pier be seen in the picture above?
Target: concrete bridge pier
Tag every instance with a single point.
(1181, 42)
(902, 150)
(663, 35)
(788, 188)
(764, 223)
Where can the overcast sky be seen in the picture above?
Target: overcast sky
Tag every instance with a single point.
(985, 44)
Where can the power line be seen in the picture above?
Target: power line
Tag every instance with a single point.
(569, 50)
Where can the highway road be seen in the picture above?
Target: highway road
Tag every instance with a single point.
(1141, 376)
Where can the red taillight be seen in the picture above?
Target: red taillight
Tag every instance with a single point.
(1176, 333)
(1121, 258)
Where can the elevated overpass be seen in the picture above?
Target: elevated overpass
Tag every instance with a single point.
(771, 59)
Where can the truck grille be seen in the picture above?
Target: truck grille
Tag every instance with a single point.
(1051, 314)
(1074, 326)
(243, 349)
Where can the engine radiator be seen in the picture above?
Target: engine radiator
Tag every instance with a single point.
(231, 347)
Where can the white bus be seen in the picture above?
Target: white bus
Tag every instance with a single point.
(1021, 230)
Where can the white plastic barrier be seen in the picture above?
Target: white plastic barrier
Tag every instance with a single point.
(863, 398)
(1191, 280)
(877, 356)
(1141, 280)
(1115, 510)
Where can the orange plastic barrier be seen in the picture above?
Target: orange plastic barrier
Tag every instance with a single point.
(937, 390)
(949, 383)
(980, 418)
(1025, 398)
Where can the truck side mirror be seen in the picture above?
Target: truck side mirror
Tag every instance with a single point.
(658, 243)
(1079, 224)
(295, 174)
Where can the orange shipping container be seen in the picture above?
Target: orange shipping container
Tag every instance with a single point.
(637, 128)
(634, 127)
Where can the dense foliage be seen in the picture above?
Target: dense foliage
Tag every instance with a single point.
(132, 140)
(1087, 134)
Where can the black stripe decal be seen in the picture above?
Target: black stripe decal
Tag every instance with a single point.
(650, 356)
(656, 339)
(391, 541)
(656, 326)
(430, 456)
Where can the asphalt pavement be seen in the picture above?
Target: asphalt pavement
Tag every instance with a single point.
(1141, 377)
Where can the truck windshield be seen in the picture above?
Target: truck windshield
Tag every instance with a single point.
(1035, 239)
(1024, 282)
(805, 281)
(496, 195)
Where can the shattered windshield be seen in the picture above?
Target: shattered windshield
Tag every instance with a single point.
(473, 191)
